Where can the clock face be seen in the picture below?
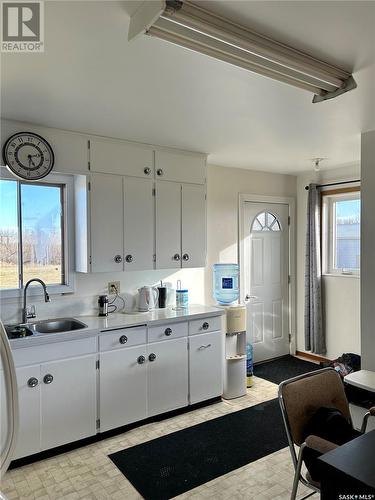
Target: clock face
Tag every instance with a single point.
(28, 156)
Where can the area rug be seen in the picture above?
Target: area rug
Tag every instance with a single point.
(281, 369)
(178, 462)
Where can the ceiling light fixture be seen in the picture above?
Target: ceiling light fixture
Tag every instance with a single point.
(317, 163)
(188, 25)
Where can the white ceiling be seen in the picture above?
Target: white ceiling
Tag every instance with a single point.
(91, 79)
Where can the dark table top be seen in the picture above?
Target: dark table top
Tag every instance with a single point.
(355, 459)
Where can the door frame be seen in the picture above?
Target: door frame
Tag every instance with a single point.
(291, 202)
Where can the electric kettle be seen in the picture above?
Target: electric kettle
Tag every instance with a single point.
(148, 298)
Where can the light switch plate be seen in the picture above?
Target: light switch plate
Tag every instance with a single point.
(112, 286)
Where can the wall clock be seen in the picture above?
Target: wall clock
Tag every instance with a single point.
(28, 156)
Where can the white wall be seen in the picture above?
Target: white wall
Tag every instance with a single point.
(341, 294)
(223, 187)
(368, 250)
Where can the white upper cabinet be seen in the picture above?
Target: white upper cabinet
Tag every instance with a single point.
(120, 157)
(106, 223)
(193, 247)
(180, 166)
(138, 224)
(168, 225)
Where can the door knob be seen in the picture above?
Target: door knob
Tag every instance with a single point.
(141, 360)
(249, 297)
(152, 357)
(118, 259)
(176, 256)
(168, 332)
(159, 172)
(147, 170)
(47, 379)
(123, 339)
(32, 382)
(129, 258)
(185, 256)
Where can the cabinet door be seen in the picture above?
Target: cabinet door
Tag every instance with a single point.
(168, 225)
(167, 376)
(138, 224)
(106, 222)
(193, 226)
(120, 157)
(205, 366)
(68, 400)
(180, 166)
(123, 387)
(28, 440)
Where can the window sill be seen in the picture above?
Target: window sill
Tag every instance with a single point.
(37, 291)
(338, 275)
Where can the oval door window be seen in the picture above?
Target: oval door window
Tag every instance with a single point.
(265, 221)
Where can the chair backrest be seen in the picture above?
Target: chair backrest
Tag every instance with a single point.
(302, 396)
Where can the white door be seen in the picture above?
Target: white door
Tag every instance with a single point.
(106, 223)
(266, 268)
(168, 225)
(123, 387)
(138, 224)
(29, 386)
(68, 400)
(167, 375)
(205, 366)
(193, 226)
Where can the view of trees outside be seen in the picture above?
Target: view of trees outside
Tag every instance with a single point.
(348, 242)
(41, 233)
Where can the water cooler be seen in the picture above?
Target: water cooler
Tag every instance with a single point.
(235, 352)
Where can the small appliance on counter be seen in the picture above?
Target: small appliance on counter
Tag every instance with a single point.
(103, 305)
(148, 298)
(235, 375)
(182, 297)
(162, 301)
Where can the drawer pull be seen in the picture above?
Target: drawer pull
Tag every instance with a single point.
(32, 382)
(205, 325)
(123, 339)
(168, 332)
(141, 360)
(204, 347)
(47, 379)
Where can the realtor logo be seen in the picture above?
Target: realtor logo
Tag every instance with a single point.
(22, 26)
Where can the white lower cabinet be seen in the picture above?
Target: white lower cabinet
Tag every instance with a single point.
(167, 375)
(57, 404)
(205, 366)
(123, 387)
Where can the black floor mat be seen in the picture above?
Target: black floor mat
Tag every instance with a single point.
(175, 463)
(281, 369)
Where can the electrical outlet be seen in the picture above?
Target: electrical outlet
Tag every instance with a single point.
(113, 287)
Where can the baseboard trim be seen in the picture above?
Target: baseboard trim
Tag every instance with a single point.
(313, 357)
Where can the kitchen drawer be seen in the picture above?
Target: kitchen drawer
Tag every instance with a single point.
(204, 325)
(122, 337)
(167, 331)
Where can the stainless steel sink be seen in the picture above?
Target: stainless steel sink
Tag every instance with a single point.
(57, 325)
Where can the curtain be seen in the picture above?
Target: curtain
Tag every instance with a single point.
(314, 335)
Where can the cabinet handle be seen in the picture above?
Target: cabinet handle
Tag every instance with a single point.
(160, 172)
(205, 325)
(185, 256)
(147, 170)
(141, 360)
(176, 256)
(47, 379)
(32, 382)
(129, 258)
(118, 259)
(204, 347)
(168, 332)
(123, 339)
(152, 357)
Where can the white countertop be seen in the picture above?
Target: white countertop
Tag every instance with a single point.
(96, 324)
(364, 379)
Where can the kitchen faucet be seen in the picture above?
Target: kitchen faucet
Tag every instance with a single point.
(28, 314)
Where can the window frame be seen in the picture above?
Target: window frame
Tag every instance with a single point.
(329, 198)
(67, 235)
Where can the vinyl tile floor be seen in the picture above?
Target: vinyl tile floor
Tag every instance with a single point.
(88, 474)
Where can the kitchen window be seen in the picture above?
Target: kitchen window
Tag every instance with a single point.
(341, 225)
(34, 220)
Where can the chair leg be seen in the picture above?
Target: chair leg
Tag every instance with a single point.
(297, 473)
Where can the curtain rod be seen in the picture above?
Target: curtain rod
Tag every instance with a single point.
(334, 184)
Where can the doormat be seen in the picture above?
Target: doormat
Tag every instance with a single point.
(281, 369)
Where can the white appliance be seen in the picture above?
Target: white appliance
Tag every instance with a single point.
(235, 353)
(10, 412)
(148, 298)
